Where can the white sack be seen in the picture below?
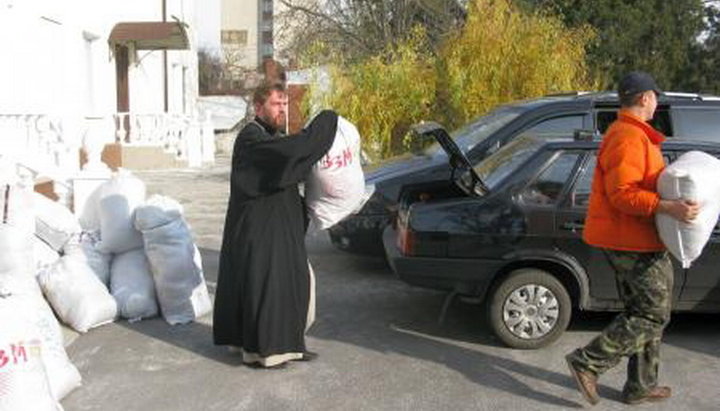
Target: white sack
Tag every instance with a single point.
(693, 176)
(118, 199)
(23, 380)
(157, 211)
(30, 312)
(131, 283)
(86, 245)
(89, 217)
(43, 254)
(336, 186)
(77, 295)
(17, 225)
(54, 223)
(175, 261)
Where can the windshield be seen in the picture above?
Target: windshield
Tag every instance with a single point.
(478, 130)
(506, 161)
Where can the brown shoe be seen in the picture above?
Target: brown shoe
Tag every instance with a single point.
(655, 394)
(586, 382)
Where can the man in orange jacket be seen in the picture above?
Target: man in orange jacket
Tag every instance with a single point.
(620, 221)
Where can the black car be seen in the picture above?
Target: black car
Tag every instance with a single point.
(678, 114)
(507, 232)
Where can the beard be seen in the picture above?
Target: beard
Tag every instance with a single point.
(277, 122)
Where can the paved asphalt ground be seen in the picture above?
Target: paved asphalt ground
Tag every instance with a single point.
(380, 345)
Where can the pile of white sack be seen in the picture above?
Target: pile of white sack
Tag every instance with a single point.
(694, 176)
(336, 187)
(128, 257)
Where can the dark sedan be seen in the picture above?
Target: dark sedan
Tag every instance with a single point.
(683, 114)
(507, 232)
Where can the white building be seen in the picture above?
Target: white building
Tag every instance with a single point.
(246, 32)
(253, 30)
(96, 72)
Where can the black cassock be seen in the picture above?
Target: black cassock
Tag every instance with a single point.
(263, 286)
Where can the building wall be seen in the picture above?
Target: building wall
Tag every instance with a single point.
(60, 62)
(239, 32)
(249, 30)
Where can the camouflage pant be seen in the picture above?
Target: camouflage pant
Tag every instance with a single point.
(645, 283)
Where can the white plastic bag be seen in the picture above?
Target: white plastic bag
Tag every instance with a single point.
(336, 185)
(86, 245)
(54, 223)
(89, 217)
(24, 382)
(693, 176)
(175, 261)
(131, 283)
(77, 295)
(43, 254)
(118, 199)
(32, 313)
(17, 225)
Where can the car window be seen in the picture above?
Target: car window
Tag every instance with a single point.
(481, 128)
(506, 160)
(547, 187)
(697, 123)
(557, 125)
(661, 120)
(580, 194)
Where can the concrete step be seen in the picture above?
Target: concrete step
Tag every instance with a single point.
(140, 157)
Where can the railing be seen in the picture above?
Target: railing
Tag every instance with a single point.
(40, 141)
(46, 147)
(41, 147)
(188, 138)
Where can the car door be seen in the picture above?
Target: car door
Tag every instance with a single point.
(702, 284)
(569, 223)
(540, 196)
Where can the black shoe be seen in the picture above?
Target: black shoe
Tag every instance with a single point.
(308, 356)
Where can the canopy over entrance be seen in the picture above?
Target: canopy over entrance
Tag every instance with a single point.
(150, 35)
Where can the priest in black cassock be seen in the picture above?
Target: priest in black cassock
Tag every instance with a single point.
(263, 290)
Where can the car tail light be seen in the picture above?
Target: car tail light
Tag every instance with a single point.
(405, 239)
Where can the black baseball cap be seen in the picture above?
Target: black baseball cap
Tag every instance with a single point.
(636, 82)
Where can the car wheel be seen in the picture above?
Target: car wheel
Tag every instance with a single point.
(529, 309)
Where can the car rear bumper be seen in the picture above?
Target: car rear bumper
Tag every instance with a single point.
(466, 276)
(360, 233)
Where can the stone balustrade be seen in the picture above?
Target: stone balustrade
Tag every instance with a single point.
(189, 138)
(47, 147)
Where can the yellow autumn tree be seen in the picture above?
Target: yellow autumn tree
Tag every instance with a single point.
(385, 94)
(503, 54)
(500, 55)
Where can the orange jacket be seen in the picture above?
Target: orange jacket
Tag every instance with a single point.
(624, 196)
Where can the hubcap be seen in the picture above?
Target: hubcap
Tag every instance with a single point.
(531, 311)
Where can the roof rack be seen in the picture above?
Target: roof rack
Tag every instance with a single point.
(694, 96)
(569, 93)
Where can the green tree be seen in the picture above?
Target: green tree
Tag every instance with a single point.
(702, 71)
(385, 94)
(657, 36)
